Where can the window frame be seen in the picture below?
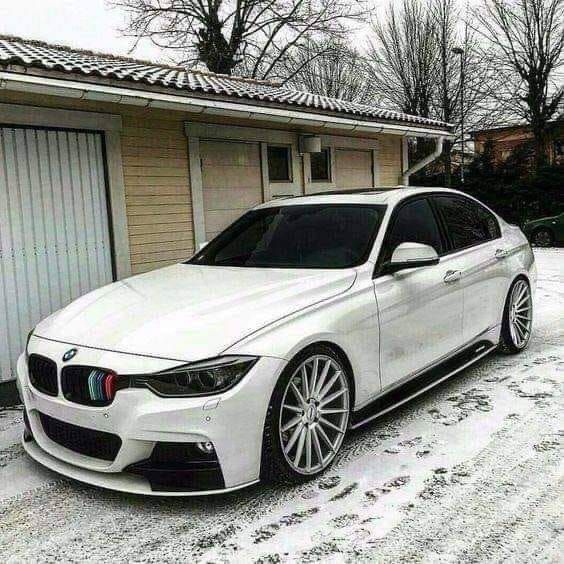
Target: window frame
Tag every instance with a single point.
(329, 180)
(378, 268)
(451, 247)
(289, 162)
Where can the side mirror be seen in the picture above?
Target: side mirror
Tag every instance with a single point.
(411, 255)
(202, 245)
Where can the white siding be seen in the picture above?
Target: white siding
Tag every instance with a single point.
(54, 232)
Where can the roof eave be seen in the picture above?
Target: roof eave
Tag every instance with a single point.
(151, 97)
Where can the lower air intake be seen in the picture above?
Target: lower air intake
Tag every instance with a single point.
(88, 442)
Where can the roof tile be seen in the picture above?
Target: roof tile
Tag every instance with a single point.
(33, 54)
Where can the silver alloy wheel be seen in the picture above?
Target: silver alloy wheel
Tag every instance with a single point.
(520, 314)
(314, 414)
(542, 238)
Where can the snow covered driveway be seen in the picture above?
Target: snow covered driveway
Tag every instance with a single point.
(471, 471)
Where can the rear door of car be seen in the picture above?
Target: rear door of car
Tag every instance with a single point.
(474, 240)
(420, 309)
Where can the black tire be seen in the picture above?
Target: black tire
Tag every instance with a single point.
(542, 237)
(506, 344)
(274, 467)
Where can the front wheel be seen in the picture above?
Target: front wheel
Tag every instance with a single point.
(307, 417)
(517, 318)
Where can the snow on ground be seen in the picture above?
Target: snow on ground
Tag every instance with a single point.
(469, 472)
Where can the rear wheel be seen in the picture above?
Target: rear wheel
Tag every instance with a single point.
(307, 418)
(542, 238)
(517, 318)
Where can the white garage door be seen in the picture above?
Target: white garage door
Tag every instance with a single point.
(354, 169)
(54, 232)
(231, 182)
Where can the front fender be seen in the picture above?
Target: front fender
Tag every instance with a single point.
(349, 320)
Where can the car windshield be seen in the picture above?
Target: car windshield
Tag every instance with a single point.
(296, 236)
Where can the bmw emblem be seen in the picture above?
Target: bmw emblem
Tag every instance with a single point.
(69, 354)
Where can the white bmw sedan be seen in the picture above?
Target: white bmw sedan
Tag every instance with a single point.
(307, 317)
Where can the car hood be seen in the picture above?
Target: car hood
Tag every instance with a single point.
(189, 312)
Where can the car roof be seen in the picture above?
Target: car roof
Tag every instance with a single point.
(387, 195)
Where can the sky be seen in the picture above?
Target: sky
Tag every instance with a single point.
(91, 24)
(86, 24)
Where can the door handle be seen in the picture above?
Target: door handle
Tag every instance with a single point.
(452, 276)
(501, 253)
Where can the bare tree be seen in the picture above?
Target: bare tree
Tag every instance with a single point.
(256, 37)
(464, 80)
(404, 57)
(527, 39)
(333, 69)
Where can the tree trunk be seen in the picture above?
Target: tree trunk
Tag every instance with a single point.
(214, 50)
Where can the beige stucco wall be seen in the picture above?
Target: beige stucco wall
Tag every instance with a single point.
(156, 174)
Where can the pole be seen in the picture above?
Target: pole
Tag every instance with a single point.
(462, 116)
(460, 51)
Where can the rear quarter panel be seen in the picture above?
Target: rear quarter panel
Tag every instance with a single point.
(521, 260)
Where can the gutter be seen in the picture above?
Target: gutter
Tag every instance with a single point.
(144, 98)
(423, 162)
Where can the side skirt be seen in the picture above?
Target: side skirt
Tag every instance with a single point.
(421, 383)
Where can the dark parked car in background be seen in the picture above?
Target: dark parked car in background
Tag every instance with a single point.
(546, 231)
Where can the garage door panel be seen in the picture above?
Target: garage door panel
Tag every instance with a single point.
(354, 168)
(54, 195)
(19, 191)
(54, 228)
(354, 159)
(100, 204)
(224, 153)
(232, 177)
(62, 192)
(231, 182)
(10, 271)
(88, 202)
(44, 201)
(219, 199)
(217, 220)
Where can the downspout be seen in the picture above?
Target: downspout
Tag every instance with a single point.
(423, 162)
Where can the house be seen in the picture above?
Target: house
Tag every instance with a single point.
(506, 139)
(111, 167)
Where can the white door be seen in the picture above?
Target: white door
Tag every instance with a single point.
(231, 182)
(353, 169)
(420, 313)
(54, 232)
(475, 237)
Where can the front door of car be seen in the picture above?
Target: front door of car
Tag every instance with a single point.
(420, 309)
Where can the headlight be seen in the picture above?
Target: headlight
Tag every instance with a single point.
(199, 379)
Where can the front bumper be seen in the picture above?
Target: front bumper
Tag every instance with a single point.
(233, 422)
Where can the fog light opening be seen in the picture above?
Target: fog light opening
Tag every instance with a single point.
(206, 447)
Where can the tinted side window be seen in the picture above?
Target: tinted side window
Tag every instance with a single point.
(414, 223)
(468, 223)
(492, 225)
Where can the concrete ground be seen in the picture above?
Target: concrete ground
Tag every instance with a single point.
(470, 472)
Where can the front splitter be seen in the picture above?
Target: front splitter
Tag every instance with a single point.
(121, 482)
